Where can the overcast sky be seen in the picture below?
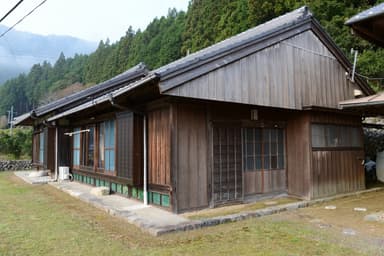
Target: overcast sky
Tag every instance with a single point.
(92, 20)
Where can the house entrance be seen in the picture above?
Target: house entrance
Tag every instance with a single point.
(264, 160)
(247, 161)
(227, 164)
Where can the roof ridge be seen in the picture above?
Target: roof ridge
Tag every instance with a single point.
(281, 21)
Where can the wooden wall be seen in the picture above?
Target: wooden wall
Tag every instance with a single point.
(298, 155)
(129, 146)
(335, 172)
(159, 138)
(191, 156)
(296, 72)
(49, 149)
(65, 151)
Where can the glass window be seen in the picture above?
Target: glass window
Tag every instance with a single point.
(263, 149)
(88, 147)
(91, 146)
(335, 136)
(76, 147)
(107, 146)
(41, 147)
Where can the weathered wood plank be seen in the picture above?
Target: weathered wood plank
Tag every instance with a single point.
(291, 74)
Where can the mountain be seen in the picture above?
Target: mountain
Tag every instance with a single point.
(20, 50)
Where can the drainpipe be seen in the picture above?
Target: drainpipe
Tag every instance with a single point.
(56, 151)
(145, 160)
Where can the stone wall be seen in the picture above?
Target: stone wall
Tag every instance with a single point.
(15, 165)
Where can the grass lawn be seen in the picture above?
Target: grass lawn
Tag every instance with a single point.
(232, 209)
(40, 220)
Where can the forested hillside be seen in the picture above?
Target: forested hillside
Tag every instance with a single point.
(171, 37)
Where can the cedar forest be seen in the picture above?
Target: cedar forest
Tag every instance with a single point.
(168, 38)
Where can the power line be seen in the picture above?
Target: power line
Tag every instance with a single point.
(10, 11)
(369, 78)
(9, 29)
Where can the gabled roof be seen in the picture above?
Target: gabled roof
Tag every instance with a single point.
(369, 24)
(131, 75)
(104, 98)
(373, 12)
(239, 40)
(116, 82)
(264, 35)
(372, 105)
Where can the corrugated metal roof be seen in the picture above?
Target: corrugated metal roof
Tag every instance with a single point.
(367, 14)
(372, 100)
(21, 118)
(245, 37)
(104, 98)
(116, 82)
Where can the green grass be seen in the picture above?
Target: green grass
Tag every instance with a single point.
(232, 209)
(40, 220)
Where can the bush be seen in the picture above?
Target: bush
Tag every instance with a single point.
(17, 144)
(373, 141)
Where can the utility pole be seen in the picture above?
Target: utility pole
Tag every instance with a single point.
(10, 120)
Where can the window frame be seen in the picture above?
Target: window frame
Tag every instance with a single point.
(336, 137)
(266, 142)
(85, 147)
(106, 147)
(76, 148)
(41, 147)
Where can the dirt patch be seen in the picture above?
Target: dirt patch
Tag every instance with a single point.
(344, 223)
(233, 209)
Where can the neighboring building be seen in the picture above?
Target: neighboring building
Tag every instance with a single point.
(369, 24)
(254, 114)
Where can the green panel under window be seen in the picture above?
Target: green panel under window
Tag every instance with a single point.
(165, 200)
(118, 188)
(134, 192)
(141, 194)
(113, 187)
(106, 184)
(97, 183)
(125, 190)
(92, 181)
(156, 198)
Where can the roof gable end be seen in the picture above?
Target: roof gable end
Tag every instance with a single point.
(246, 43)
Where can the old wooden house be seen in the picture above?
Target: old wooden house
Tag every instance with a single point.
(255, 114)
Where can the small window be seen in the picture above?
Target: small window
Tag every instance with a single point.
(88, 147)
(107, 146)
(335, 136)
(41, 147)
(76, 147)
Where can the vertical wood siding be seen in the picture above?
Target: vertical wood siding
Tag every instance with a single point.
(64, 147)
(297, 72)
(159, 139)
(129, 147)
(124, 136)
(49, 149)
(192, 157)
(35, 147)
(299, 155)
(336, 172)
